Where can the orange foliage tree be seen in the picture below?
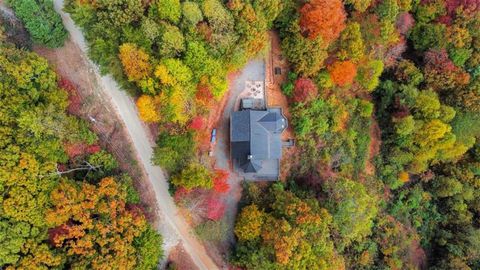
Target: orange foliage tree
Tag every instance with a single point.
(323, 17)
(147, 108)
(343, 72)
(204, 95)
(220, 184)
(134, 61)
(94, 225)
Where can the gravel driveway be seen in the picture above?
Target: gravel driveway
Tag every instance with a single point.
(253, 71)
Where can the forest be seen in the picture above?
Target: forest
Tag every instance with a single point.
(64, 203)
(384, 98)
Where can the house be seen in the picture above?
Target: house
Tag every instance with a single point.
(255, 142)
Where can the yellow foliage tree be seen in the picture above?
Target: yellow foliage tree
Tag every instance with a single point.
(178, 101)
(134, 61)
(431, 132)
(249, 223)
(283, 237)
(162, 73)
(147, 108)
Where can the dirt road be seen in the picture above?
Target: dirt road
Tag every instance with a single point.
(172, 225)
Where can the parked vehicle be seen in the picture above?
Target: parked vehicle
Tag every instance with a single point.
(213, 137)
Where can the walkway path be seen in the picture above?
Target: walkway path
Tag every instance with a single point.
(172, 222)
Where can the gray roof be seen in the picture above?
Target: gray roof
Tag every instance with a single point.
(255, 138)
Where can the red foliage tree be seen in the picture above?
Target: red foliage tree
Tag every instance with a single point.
(57, 232)
(441, 73)
(197, 123)
(453, 5)
(204, 95)
(323, 17)
(215, 208)
(394, 53)
(78, 149)
(61, 167)
(75, 149)
(92, 149)
(220, 184)
(405, 22)
(74, 99)
(180, 194)
(343, 72)
(305, 89)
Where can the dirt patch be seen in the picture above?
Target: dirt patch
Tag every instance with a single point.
(274, 81)
(374, 147)
(417, 255)
(179, 258)
(14, 31)
(69, 63)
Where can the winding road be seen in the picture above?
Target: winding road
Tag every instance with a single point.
(172, 224)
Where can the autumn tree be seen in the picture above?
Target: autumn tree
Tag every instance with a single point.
(360, 5)
(304, 90)
(428, 36)
(369, 74)
(104, 161)
(353, 210)
(191, 12)
(388, 10)
(147, 108)
(173, 72)
(351, 43)
(173, 151)
(404, 23)
(149, 248)
(172, 41)
(215, 208)
(221, 23)
(395, 240)
(322, 18)
(118, 13)
(249, 224)
(74, 99)
(168, 10)
(48, 221)
(468, 97)
(197, 123)
(441, 74)
(35, 127)
(293, 232)
(406, 72)
(453, 187)
(343, 72)
(92, 234)
(220, 181)
(195, 175)
(307, 56)
(135, 62)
